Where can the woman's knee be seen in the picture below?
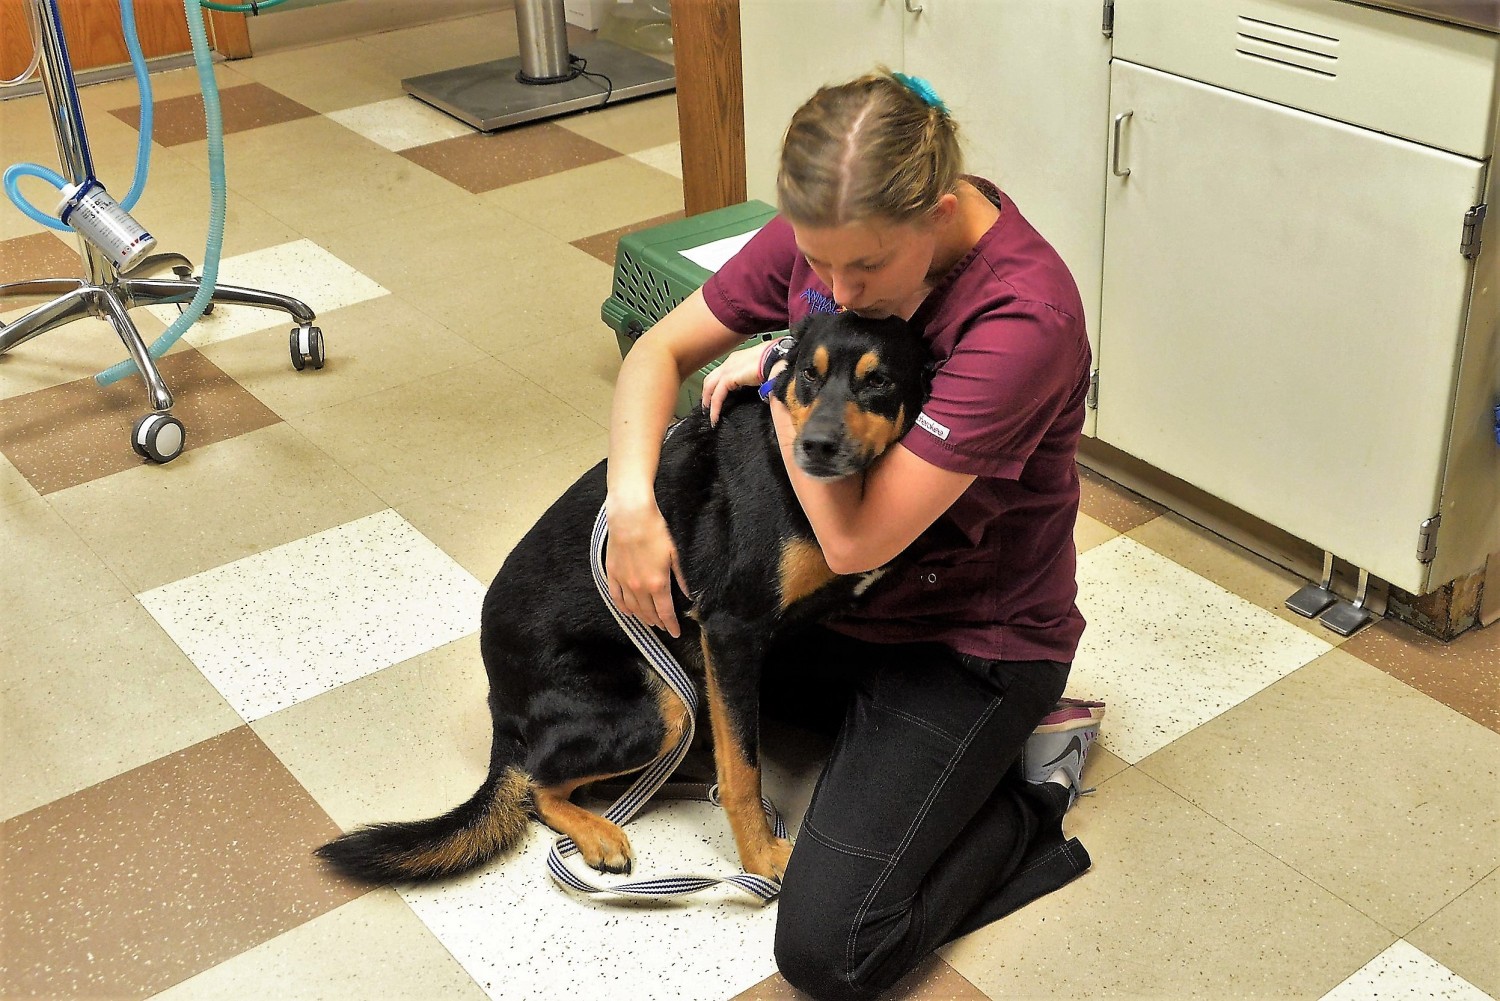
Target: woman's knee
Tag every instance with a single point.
(814, 959)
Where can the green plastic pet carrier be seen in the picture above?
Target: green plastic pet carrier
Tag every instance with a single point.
(652, 276)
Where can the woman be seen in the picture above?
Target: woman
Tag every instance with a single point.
(934, 816)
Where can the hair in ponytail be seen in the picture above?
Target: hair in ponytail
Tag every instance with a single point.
(879, 147)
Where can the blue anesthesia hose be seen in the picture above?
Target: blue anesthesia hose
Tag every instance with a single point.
(215, 122)
(143, 142)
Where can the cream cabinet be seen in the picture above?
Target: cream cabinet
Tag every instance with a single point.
(1286, 273)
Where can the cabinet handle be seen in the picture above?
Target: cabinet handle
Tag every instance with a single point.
(1120, 124)
(913, 10)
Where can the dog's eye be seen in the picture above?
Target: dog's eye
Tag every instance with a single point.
(877, 380)
(811, 374)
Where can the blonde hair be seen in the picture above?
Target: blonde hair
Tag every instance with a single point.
(867, 149)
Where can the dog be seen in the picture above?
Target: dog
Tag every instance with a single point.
(571, 699)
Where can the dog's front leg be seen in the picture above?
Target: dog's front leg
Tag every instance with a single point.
(732, 655)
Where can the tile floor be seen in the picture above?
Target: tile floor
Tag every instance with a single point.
(211, 667)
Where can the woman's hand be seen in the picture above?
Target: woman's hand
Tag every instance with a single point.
(640, 562)
(742, 368)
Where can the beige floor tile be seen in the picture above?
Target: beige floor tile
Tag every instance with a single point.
(479, 521)
(1177, 905)
(495, 280)
(373, 947)
(50, 573)
(157, 524)
(13, 486)
(317, 176)
(443, 45)
(88, 698)
(579, 366)
(1403, 970)
(444, 430)
(409, 741)
(1375, 791)
(630, 126)
(1462, 935)
(567, 204)
(176, 207)
(1230, 566)
(1090, 532)
(165, 85)
(371, 346)
(933, 980)
(77, 350)
(327, 77)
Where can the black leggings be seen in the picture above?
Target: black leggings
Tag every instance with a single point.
(921, 828)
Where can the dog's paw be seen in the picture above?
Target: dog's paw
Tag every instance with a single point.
(771, 860)
(608, 852)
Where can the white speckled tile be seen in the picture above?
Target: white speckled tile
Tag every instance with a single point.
(667, 158)
(1169, 650)
(400, 123)
(273, 629)
(300, 269)
(1404, 971)
(557, 943)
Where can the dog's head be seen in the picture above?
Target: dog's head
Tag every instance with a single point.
(853, 386)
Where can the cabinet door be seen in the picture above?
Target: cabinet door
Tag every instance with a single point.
(1029, 85)
(1283, 306)
(790, 48)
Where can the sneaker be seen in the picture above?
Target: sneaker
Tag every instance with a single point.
(1061, 742)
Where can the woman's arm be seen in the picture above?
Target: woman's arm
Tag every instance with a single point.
(863, 522)
(641, 558)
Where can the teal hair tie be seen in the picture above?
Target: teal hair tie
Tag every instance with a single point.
(922, 89)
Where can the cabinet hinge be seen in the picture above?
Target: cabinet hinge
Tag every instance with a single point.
(1109, 18)
(1427, 539)
(1092, 400)
(1473, 228)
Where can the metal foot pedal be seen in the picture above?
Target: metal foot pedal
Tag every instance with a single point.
(1311, 599)
(1348, 617)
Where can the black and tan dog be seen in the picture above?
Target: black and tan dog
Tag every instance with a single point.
(571, 699)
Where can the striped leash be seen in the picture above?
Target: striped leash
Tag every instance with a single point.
(652, 779)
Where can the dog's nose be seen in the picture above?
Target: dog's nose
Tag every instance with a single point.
(818, 449)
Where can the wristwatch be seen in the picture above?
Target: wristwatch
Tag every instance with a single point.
(776, 352)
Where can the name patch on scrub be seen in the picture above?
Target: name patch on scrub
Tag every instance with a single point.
(817, 302)
(932, 427)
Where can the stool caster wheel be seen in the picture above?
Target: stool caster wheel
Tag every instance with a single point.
(158, 437)
(186, 274)
(307, 346)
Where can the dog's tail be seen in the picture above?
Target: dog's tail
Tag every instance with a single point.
(493, 821)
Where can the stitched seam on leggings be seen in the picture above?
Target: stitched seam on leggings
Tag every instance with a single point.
(906, 839)
(915, 721)
(838, 846)
(1059, 850)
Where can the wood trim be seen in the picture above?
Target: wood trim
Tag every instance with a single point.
(710, 103)
(230, 34)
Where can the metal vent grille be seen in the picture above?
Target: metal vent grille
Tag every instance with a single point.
(1287, 46)
(641, 289)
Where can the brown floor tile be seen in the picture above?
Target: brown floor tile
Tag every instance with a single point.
(934, 980)
(480, 162)
(181, 120)
(602, 245)
(140, 882)
(1105, 500)
(41, 255)
(1463, 675)
(79, 431)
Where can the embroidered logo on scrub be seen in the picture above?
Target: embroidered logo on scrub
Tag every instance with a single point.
(817, 302)
(932, 427)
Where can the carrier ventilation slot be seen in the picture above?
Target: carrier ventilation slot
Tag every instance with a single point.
(1283, 45)
(643, 290)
